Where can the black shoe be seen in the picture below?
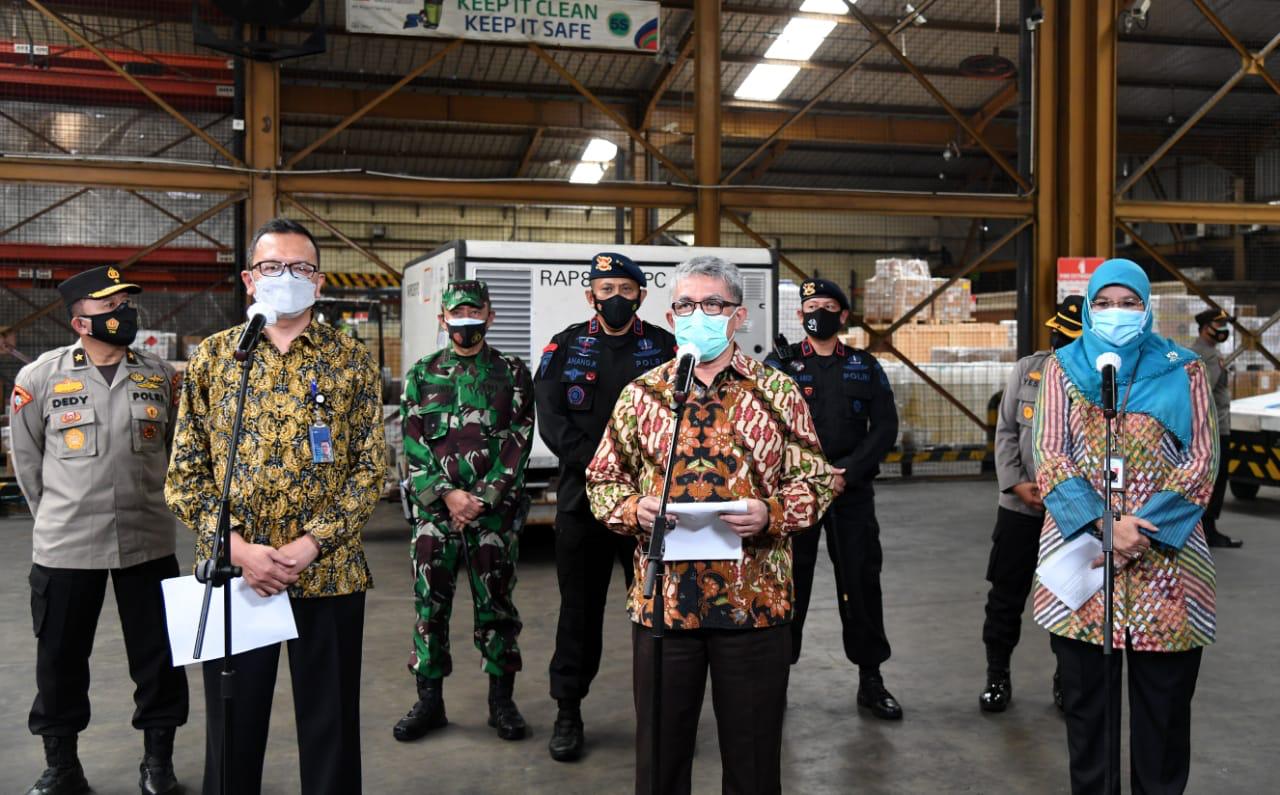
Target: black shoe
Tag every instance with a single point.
(64, 775)
(1223, 541)
(873, 695)
(1057, 692)
(156, 771)
(567, 736)
(503, 713)
(426, 714)
(998, 694)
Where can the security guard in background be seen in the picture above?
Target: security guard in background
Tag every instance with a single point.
(1015, 543)
(857, 422)
(1213, 330)
(91, 432)
(582, 372)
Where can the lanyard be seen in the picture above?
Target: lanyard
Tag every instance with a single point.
(1119, 438)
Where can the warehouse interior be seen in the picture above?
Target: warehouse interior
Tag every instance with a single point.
(947, 162)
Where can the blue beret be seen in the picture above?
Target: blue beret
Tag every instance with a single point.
(816, 288)
(615, 266)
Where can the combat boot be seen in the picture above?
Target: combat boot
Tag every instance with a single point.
(156, 771)
(503, 713)
(64, 776)
(567, 735)
(426, 714)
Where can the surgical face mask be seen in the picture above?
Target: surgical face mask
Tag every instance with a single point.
(821, 324)
(117, 327)
(466, 332)
(1059, 340)
(617, 311)
(710, 333)
(286, 293)
(1118, 327)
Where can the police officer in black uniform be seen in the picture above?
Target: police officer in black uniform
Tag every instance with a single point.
(857, 423)
(580, 376)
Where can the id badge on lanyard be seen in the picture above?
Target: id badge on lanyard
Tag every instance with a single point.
(321, 437)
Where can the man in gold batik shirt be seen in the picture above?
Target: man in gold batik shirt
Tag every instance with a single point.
(309, 470)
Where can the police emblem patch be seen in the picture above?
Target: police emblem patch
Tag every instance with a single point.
(113, 325)
(1028, 412)
(74, 437)
(604, 263)
(153, 412)
(68, 386)
(21, 397)
(113, 274)
(808, 288)
(576, 395)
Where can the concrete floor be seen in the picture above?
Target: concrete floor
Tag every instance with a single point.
(935, 537)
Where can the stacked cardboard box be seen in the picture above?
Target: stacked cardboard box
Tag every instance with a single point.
(897, 286)
(955, 305)
(1254, 382)
(917, 343)
(927, 419)
(160, 343)
(1252, 358)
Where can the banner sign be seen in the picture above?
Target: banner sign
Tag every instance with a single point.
(611, 24)
(1074, 274)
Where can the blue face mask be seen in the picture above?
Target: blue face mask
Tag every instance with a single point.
(710, 333)
(1118, 327)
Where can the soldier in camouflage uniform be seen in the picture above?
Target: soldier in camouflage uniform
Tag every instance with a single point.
(467, 412)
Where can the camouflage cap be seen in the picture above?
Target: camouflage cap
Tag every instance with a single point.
(466, 291)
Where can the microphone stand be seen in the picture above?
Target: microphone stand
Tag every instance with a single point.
(1110, 714)
(654, 586)
(217, 572)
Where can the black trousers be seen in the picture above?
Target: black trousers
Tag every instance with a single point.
(65, 604)
(852, 527)
(749, 670)
(1214, 509)
(1161, 685)
(1015, 546)
(585, 555)
(324, 667)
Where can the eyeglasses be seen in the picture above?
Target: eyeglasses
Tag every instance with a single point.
(711, 306)
(301, 270)
(1102, 304)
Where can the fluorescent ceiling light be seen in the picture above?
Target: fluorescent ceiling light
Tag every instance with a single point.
(825, 6)
(600, 151)
(800, 39)
(766, 82)
(587, 173)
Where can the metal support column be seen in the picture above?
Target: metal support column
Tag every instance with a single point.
(706, 129)
(1075, 65)
(262, 140)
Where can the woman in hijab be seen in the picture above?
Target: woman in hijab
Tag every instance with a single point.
(1163, 613)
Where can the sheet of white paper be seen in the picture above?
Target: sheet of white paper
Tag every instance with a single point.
(256, 621)
(699, 533)
(1068, 573)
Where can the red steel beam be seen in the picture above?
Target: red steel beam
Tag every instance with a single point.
(62, 84)
(37, 254)
(203, 65)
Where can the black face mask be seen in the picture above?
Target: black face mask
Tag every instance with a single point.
(617, 311)
(117, 327)
(1059, 340)
(466, 335)
(1221, 334)
(821, 324)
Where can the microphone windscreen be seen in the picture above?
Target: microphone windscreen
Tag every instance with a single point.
(267, 313)
(1107, 358)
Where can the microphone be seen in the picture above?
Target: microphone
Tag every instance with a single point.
(1107, 364)
(259, 315)
(687, 356)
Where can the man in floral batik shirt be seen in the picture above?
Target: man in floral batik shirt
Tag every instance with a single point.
(748, 436)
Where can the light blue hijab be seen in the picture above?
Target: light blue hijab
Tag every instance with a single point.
(1154, 365)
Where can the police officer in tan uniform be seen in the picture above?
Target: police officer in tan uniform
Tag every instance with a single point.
(91, 429)
(1015, 543)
